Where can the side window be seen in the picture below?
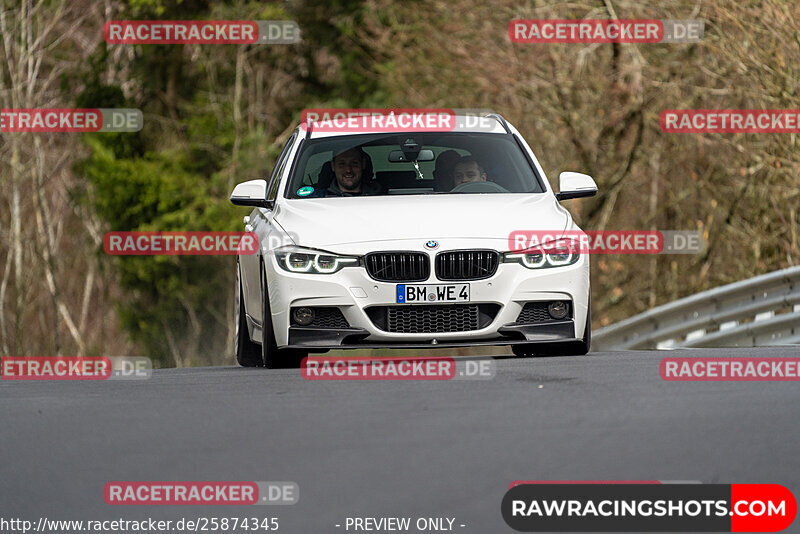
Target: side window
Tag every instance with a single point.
(277, 172)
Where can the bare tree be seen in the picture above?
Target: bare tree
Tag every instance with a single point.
(39, 291)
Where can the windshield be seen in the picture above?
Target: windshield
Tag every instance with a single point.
(412, 164)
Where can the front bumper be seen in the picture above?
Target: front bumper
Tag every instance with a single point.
(353, 291)
(303, 337)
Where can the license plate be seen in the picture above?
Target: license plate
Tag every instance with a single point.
(432, 293)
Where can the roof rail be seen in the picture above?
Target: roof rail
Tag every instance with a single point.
(309, 127)
(501, 120)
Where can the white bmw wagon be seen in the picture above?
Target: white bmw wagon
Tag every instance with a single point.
(401, 239)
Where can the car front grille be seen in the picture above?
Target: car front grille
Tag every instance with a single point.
(398, 266)
(536, 312)
(458, 265)
(433, 319)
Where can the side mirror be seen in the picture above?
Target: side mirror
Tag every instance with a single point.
(575, 185)
(252, 193)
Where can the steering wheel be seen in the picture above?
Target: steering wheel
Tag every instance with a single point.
(479, 187)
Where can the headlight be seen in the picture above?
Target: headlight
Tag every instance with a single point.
(306, 260)
(551, 254)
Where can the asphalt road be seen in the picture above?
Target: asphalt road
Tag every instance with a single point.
(397, 449)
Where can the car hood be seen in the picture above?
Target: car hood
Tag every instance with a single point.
(328, 222)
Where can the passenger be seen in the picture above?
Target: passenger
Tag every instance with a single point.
(443, 173)
(468, 170)
(348, 167)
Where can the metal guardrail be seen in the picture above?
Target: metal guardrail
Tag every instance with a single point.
(764, 310)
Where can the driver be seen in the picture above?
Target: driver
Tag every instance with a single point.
(348, 167)
(468, 169)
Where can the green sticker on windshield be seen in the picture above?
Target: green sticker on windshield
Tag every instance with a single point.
(305, 191)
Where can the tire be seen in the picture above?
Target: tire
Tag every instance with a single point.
(248, 354)
(272, 356)
(570, 348)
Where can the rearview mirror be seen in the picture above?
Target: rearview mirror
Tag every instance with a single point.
(252, 193)
(397, 156)
(575, 185)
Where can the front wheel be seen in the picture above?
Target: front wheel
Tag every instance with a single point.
(273, 357)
